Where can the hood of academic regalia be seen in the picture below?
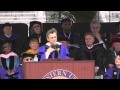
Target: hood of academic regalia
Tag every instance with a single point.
(9, 61)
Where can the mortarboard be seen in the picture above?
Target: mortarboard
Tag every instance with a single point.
(34, 22)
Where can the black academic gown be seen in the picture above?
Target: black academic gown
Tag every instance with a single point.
(96, 53)
(73, 38)
(41, 37)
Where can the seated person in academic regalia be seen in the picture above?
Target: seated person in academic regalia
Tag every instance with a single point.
(68, 32)
(36, 29)
(92, 52)
(9, 63)
(95, 28)
(68, 37)
(9, 35)
(117, 35)
(53, 49)
(114, 72)
(112, 52)
(118, 32)
(33, 46)
(26, 57)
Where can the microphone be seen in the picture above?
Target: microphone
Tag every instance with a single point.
(55, 46)
(57, 49)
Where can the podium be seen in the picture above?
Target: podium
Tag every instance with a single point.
(59, 69)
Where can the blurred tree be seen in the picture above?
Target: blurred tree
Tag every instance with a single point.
(83, 16)
(76, 16)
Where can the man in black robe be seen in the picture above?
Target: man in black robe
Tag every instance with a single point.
(92, 52)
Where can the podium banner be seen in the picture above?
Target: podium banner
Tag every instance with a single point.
(59, 70)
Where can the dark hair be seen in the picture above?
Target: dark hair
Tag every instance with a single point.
(33, 38)
(89, 33)
(63, 39)
(24, 55)
(6, 24)
(5, 42)
(66, 19)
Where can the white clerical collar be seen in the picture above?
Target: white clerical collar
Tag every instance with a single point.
(48, 44)
(90, 47)
(8, 35)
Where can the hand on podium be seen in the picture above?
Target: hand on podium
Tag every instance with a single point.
(96, 70)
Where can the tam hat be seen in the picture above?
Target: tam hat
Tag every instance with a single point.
(34, 22)
(24, 55)
(113, 38)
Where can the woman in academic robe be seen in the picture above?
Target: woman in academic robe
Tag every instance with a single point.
(114, 72)
(53, 49)
(33, 46)
(36, 30)
(9, 63)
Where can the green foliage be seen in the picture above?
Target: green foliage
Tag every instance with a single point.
(76, 16)
(83, 16)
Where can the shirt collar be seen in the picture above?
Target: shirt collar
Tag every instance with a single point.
(8, 35)
(90, 47)
(48, 44)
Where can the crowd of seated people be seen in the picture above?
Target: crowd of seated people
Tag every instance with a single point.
(63, 43)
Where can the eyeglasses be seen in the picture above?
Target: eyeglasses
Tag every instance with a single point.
(28, 59)
(36, 26)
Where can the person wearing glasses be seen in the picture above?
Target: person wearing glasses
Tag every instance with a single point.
(36, 29)
(26, 57)
(10, 67)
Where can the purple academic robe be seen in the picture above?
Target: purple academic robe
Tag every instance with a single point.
(112, 73)
(17, 73)
(63, 53)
